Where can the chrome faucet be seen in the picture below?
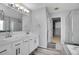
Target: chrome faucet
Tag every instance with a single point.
(8, 35)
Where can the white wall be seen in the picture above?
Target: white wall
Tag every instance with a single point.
(68, 29)
(63, 25)
(49, 28)
(39, 25)
(27, 23)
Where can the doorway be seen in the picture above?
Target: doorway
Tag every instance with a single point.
(56, 38)
(56, 33)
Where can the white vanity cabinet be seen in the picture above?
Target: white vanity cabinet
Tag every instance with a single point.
(21, 46)
(5, 50)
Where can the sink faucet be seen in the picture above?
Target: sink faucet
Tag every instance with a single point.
(8, 35)
(27, 32)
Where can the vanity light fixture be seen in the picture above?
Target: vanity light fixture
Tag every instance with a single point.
(26, 10)
(22, 8)
(19, 7)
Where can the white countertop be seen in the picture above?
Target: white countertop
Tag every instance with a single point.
(16, 38)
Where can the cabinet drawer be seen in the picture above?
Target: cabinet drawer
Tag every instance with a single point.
(17, 44)
(5, 50)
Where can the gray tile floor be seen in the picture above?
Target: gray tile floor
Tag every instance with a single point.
(48, 51)
(51, 50)
(51, 45)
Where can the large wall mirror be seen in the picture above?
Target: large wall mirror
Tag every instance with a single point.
(15, 24)
(10, 24)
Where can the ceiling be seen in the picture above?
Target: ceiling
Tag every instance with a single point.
(51, 6)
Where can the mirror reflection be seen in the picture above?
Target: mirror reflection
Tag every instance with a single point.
(10, 24)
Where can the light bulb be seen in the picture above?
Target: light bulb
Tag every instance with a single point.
(21, 7)
(17, 5)
(26, 10)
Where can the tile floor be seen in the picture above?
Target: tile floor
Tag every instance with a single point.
(56, 50)
(47, 51)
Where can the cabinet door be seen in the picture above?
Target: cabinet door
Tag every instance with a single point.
(75, 27)
(31, 44)
(25, 47)
(5, 50)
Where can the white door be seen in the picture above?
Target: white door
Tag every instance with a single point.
(75, 27)
(68, 28)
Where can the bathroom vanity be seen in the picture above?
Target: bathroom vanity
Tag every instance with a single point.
(13, 37)
(19, 44)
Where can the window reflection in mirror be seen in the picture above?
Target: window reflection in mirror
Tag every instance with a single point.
(15, 24)
(9, 24)
(1, 25)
